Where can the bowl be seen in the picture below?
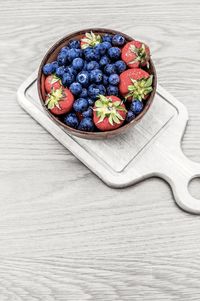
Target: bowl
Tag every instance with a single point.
(51, 55)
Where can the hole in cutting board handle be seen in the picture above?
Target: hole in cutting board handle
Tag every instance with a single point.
(194, 187)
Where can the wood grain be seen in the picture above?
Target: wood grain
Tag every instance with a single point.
(64, 235)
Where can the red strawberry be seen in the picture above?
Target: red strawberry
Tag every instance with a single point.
(90, 39)
(52, 81)
(135, 83)
(109, 113)
(135, 54)
(59, 101)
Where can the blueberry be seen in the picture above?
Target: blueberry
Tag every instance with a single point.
(73, 53)
(48, 69)
(113, 79)
(101, 48)
(102, 90)
(105, 80)
(62, 58)
(130, 116)
(91, 54)
(93, 91)
(85, 65)
(54, 66)
(114, 53)
(96, 76)
(67, 79)
(64, 49)
(83, 78)
(71, 70)
(107, 38)
(120, 66)
(86, 124)
(84, 93)
(91, 101)
(75, 88)
(80, 105)
(74, 44)
(71, 120)
(112, 90)
(92, 65)
(104, 61)
(78, 63)
(136, 106)
(118, 40)
(60, 71)
(109, 69)
(88, 113)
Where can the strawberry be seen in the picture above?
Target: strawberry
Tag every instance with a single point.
(135, 83)
(109, 113)
(90, 39)
(135, 54)
(59, 101)
(52, 81)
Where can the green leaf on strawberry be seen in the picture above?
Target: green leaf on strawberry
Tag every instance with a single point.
(90, 39)
(140, 88)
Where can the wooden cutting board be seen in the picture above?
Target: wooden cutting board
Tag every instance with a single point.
(151, 148)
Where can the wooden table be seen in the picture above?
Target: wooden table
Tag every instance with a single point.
(64, 235)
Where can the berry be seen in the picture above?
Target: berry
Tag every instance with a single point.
(102, 90)
(84, 93)
(109, 69)
(48, 69)
(107, 45)
(83, 78)
(101, 48)
(130, 116)
(120, 66)
(71, 70)
(62, 58)
(74, 44)
(91, 101)
(75, 88)
(136, 54)
(60, 71)
(92, 65)
(90, 40)
(88, 113)
(71, 120)
(112, 90)
(104, 61)
(86, 124)
(78, 63)
(136, 106)
(91, 54)
(59, 101)
(105, 80)
(93, 91)
(80, 105)
(107, 38)
(96, 76)
(118, 40)
(73, 53)
(67, 79)
(52, 82)
(114, 53)
(113, 79)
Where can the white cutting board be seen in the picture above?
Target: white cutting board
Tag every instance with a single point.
(151, 148)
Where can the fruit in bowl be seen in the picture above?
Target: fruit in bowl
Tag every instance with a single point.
(96, 83)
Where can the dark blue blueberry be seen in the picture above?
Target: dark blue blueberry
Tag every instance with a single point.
(71, 120)
(86, 124)
(83, 78)
(93, 91)
(62, 58)
(75, 88)
(91, 101)
(74, 44)
(71, 70)
(120, 66)
(60, 71)
(112, 90)
(113, 79)
(78, 63)
(107, 38)
(96, 76)
(67, 79)
(80, 105)
(136, 106)
(130, 116)
(101, 48)
(118, 40)
(104, 61)
(107, 45)
(92, 65)
(109, 69)
(64, 49)
(114, 53)
(84, 93)
(88, 113)
(54, 66)
(73, 53)
(105, 80)
(48, 69)
(91, 54)
(102, 90)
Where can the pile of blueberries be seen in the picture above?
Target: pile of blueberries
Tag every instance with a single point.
(89, 72)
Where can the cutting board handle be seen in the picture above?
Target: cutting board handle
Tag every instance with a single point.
(179, 171)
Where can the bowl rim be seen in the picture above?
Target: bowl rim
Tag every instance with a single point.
(100, 134)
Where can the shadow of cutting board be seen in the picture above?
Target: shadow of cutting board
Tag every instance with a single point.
(151, 148)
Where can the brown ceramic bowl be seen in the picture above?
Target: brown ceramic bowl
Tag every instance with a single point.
(51, 56)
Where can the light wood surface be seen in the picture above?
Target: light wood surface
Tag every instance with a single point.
(64, 235)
